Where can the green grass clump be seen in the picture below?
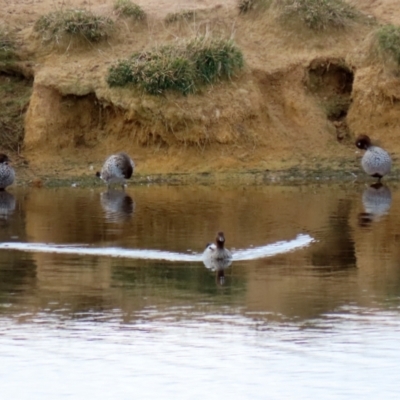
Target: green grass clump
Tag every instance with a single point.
(388, 37)
(126, 8)
(318, 15)
(121, 74)
(184, 15)
(214, 59)
(155, 71)
(74, 23)
(164, 71)
(181, 68)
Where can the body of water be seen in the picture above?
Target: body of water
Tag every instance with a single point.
(104, 294)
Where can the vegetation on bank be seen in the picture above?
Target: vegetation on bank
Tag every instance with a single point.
(319, 15)
(128, 9)
(388, 40)
(183, 15)
(182, 68)
(246, 6)
(15, 93)
(7, 47)
(79, 23)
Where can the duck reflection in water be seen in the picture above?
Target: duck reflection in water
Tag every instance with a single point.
(7, 204)
(217, 258)
(377, 200)
(117, 205)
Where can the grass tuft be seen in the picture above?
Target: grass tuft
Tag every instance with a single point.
(182, 68)
(155, 71)
(388, 40)
(55, 25)
(165, 69)
(126, 8)
(214, 59)
(246, 6)
(184, 15)
(318, 15)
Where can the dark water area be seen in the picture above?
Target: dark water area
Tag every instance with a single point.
(116, 301)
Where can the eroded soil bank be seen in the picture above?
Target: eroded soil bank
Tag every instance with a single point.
(292, 113)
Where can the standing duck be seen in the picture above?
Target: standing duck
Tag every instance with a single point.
(376, 162)
(116, 169)
(7, 174)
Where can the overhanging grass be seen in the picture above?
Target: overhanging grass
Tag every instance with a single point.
(318, 15)
(182, 68)
(388, 40)
(126, 8)
(82, 23)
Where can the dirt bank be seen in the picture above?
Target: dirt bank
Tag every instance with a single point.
(296, 106)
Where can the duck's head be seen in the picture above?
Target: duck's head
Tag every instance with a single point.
(220, 240)
(363, 142)
(4, 158)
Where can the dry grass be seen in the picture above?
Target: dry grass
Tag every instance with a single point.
(183, 15)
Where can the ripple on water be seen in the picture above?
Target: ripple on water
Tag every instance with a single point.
(226, 353)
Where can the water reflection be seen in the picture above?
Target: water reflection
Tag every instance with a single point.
(7, 204)
(217, 265)
(84, 294)
(377, 199)
(117, 205)
(338, 252)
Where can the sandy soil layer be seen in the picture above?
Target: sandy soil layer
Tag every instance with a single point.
(271, 117)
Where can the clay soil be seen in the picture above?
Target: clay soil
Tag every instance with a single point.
(296, 107)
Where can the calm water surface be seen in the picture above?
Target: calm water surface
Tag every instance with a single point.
(322, 320)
